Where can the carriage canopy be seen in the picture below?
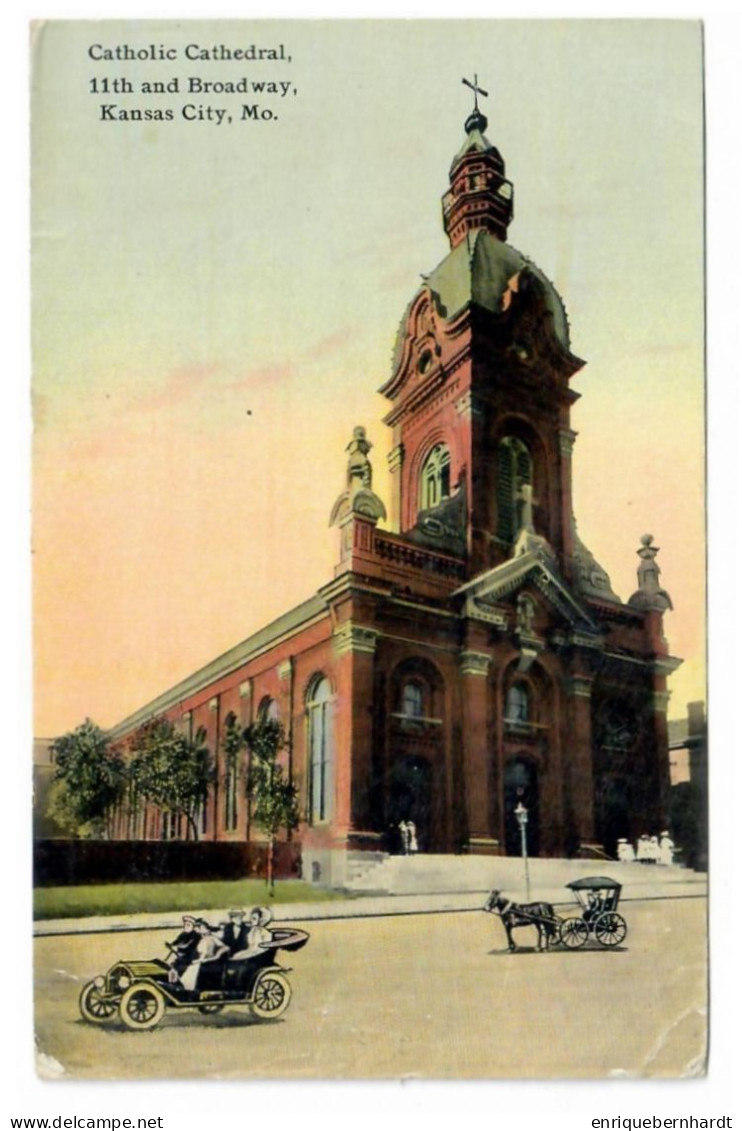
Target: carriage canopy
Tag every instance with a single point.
(596, 893)
(594, 883)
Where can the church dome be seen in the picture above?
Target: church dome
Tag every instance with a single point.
(479, 270)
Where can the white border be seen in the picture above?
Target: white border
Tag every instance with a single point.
(557, 1105)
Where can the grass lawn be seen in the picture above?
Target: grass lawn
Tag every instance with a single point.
(120, 899)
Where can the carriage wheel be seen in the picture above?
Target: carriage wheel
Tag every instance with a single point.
(272, 996)
(573, 933)
(610, 928)
(142, 1007)
(214, 1008)
(94, 1006)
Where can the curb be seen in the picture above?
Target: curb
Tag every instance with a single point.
(376, 907)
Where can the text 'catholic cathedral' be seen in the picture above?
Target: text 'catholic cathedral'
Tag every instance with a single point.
(474, 656)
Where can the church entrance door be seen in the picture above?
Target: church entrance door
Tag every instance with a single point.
(521, 786)
(612, 812)
(410, 797)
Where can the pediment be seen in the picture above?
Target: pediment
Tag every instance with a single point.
(486, 593)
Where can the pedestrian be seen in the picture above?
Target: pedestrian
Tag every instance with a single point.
(404, 838)
(625, 851)
(667, 849)
(411, 838)
(642, 849)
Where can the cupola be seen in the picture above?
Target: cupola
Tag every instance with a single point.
(480, 195)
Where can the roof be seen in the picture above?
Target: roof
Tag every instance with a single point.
(269, 636)
(594, 883)
(478, 271)
(475, 140)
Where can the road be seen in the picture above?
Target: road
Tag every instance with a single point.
(415, 996)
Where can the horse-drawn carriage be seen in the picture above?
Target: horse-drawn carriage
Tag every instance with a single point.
(597, 897)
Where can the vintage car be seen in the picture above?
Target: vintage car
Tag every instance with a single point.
(139, 992)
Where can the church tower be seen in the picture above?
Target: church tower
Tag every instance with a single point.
(480, 386)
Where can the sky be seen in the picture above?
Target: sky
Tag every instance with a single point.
(214, 308)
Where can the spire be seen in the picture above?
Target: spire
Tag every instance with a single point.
(479, 196)
(649, 595)
(475, 121)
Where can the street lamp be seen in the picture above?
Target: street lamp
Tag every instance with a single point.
(521, 816)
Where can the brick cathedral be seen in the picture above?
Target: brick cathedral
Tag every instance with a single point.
(469, 655)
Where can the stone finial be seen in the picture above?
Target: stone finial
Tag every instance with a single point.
(360, 472)
(649, 596)
(358, 496)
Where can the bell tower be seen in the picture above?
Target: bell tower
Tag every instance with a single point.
(480, 396)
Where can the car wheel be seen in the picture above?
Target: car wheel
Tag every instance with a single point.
(272, 996)
(142, 1007)
(95, 1006)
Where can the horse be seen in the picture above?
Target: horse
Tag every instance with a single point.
(538, 915)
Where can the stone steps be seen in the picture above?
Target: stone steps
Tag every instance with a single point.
(429, 874)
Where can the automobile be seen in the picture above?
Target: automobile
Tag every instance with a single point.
(140, 992)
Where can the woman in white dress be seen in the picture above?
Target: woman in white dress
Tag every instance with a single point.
(667, 848)
(258, 934)
(209, 947)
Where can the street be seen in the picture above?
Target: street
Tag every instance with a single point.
(433, 996)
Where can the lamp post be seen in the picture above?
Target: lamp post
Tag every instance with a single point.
(521, 816)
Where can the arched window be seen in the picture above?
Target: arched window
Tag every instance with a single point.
(517, 705)
(231, 748)
(268, 710)
(435, 480)
(412, 700)
(514, 469)
(319, 711)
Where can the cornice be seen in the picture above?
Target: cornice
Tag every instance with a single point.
(355, 638)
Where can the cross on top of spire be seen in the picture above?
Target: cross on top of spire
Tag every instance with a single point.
(476, 120)
(477, 90)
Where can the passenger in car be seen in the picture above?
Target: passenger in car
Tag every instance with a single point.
(210, 948)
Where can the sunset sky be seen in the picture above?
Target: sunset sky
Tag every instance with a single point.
(215, 307)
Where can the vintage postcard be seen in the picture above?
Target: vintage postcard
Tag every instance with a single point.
(369, 542)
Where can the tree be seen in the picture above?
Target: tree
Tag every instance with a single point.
(274, 798)
(88, 782)
(172, 771)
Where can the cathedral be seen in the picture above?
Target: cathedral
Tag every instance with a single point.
(469, 656)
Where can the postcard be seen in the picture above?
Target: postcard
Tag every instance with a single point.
(369, 550)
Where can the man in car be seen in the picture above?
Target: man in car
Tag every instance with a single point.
(183, 948)
(234, 932)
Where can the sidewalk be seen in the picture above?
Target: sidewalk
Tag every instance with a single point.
(655, 886)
